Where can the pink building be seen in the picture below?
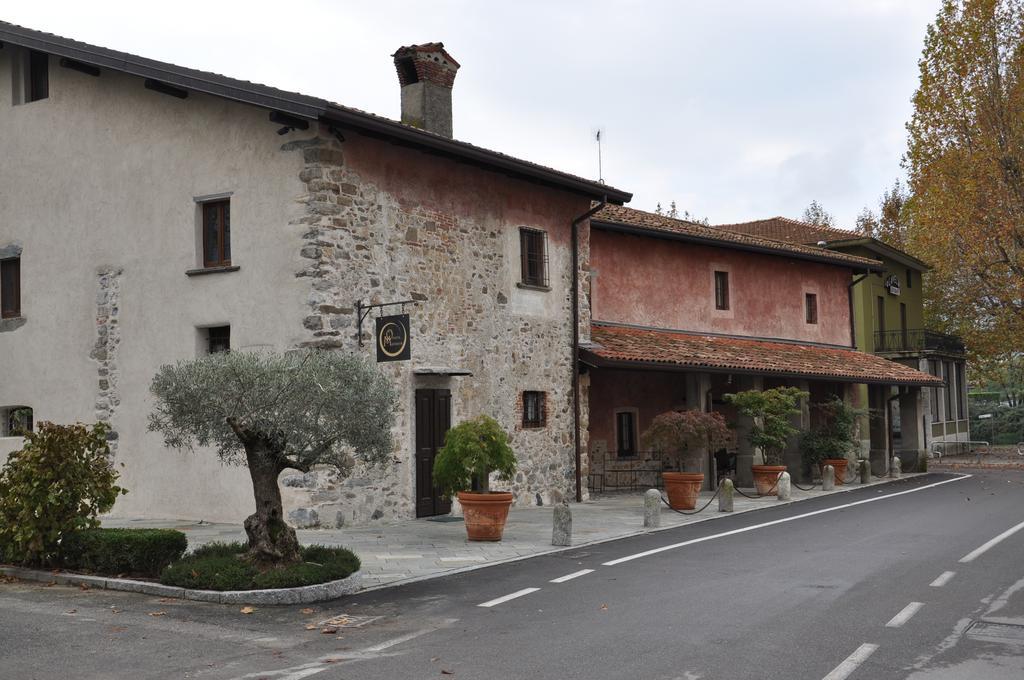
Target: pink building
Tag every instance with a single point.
(684, 314)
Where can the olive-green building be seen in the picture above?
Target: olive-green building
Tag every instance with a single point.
(888, 320)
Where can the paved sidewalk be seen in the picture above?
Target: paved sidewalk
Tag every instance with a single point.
(427, 548)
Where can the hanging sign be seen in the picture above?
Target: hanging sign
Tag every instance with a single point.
(393, 338)
(892, 284)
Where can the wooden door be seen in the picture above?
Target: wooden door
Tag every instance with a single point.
(433, 419)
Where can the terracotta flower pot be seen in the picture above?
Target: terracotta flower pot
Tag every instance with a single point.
(766, 477)
(840, 466)
(682, 489)
(485, 514)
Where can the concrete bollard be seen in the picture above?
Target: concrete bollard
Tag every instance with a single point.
(725, 496)
(652, 509)
(561, 525)
(896, 469)
(828, 478)
(865, 471)
(784, 489)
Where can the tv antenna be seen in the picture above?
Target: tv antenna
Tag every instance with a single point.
(600, 169)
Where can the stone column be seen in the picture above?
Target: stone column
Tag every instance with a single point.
(801, 421)
(697, 386)
(746, 455)
(913, 428)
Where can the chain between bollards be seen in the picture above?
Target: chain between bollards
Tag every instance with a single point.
(683, 512)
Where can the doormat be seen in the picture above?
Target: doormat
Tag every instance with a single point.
(444, 518)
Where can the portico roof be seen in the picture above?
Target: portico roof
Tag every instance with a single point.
(633, 347)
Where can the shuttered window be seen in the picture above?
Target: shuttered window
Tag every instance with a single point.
(217, 234)
(811, 307)
(721, 290)
(625, 433)
(10, 288)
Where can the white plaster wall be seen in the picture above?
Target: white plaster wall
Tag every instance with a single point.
(103, 173)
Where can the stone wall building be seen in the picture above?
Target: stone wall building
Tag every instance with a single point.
(150, 213)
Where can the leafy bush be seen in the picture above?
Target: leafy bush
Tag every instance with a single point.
(771, 411)
(142, 552)
(223, 566)
(836, 437)
(57, 484)
(472, 451)
(685, 432)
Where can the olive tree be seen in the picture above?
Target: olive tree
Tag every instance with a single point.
(273, 412)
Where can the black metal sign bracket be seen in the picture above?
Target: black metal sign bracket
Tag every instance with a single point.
(363, 311)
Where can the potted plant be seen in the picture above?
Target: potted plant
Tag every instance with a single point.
(686, 432)
(472, 451)
(771, 411)
(832, 442)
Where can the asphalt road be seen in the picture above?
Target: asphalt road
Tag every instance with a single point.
(874, 583)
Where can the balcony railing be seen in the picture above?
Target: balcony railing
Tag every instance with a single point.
(917, 340)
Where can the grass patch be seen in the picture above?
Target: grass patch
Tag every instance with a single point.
(222, 566)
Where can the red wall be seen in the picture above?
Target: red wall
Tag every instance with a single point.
(668, 284)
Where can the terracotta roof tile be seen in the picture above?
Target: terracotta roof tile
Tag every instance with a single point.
(649, 346)
(631, 217)
(790, 231)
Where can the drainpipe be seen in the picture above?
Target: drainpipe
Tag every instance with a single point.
(849, 298)
(576, 340)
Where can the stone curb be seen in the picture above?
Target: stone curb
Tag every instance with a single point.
(301, 595)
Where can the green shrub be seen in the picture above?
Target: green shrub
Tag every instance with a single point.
(222, 566)
(58, 483)
(141, 552)
(771, 411)
(472, 451)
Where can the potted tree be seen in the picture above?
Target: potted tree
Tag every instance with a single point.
(685, 433)
(472, 451)
(832, 442)
(771, 411)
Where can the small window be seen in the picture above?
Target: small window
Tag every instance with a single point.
(218, 339)
(38, 80)
(910, 279)
(10, 288)
(625, 434)
(15, 421)
(533, 246)
(217, 234)
(811, 307)
(880, 313)
(721, 290)
(535, 409)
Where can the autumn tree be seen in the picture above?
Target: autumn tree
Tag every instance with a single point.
(273, 412)
(816, 214)
(965, 162)
(890, 223)
(686, 216)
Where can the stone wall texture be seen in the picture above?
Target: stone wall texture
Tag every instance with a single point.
(104, 351)
(385, 224)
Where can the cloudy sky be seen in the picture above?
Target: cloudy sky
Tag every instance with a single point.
(736, 110)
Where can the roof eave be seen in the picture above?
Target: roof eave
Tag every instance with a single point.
(381, 127)
(593, 359)
(689, 238)
(883, 249)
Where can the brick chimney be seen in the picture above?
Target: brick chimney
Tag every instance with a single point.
(426, 73)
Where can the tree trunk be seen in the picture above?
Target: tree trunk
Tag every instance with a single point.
(271, 541)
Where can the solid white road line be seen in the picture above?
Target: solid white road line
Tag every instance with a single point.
(569, 577)
(852, 662)
(905, 615)
(655, 551)
(944, 578)
(981, 550)
(506, 598)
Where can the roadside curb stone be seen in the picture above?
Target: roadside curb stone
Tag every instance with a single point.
(272, 596)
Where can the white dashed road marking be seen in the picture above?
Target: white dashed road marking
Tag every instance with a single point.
(981, 550)
(569, 577)
(852, 662)
(944, 578)
(655, 551)
(905, 615)
(506, 598)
